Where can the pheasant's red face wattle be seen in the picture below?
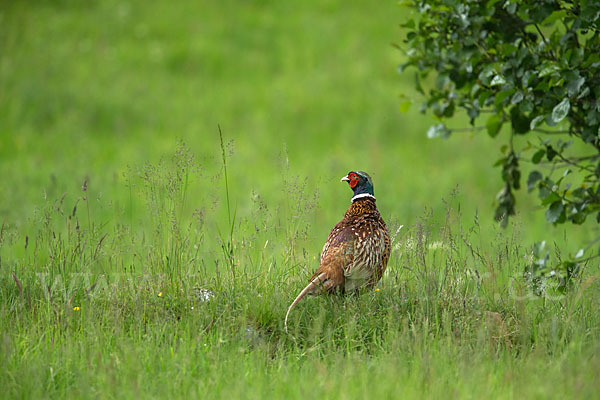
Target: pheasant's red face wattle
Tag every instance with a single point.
(353, 179)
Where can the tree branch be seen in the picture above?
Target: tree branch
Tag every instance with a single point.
(570, 162)
(549, 132)
(545, 41)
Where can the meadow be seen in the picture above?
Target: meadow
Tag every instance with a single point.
(144, 254)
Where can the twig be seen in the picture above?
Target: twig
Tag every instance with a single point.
(568, 161)
(550, 132)
(545, 41)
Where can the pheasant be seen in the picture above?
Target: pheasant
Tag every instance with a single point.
(358, 247)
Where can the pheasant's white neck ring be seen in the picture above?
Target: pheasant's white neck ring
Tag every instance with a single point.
(362, 196)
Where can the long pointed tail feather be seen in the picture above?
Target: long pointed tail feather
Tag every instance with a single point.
(315, 282)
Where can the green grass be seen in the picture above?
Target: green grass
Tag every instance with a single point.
(127, 97)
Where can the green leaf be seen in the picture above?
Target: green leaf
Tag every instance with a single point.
(534, 122)
(500, 96)
(537, 157)
(404, 106)
(526, 106)
(498, 80)
(534, 176)
(547, 70)
(517, 98)
(560, 111)
(584, 92)
(510, 7)
(493, 125)
(574, 86)
(438, 130)
(551, 198)
(520, 122)
(549, 121)
(556, 15)
(580, 192)
(543, 85)
(554, 211)
(485, 76)
(550, 153)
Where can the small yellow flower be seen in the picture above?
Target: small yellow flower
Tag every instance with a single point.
(76, 308)
(159, 294)
(377, 289)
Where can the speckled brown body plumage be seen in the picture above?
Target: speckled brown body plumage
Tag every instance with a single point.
(357, 250)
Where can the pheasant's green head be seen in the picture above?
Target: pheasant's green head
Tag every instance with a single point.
(360, 182)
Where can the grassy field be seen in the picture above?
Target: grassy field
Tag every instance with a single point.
(132, 265)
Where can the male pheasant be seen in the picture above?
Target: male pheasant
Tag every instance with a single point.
(358, 247)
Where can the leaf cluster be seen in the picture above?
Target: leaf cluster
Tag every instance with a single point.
(531, 67)
(547, 279)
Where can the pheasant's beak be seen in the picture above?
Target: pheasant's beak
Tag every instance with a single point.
(345, 179)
